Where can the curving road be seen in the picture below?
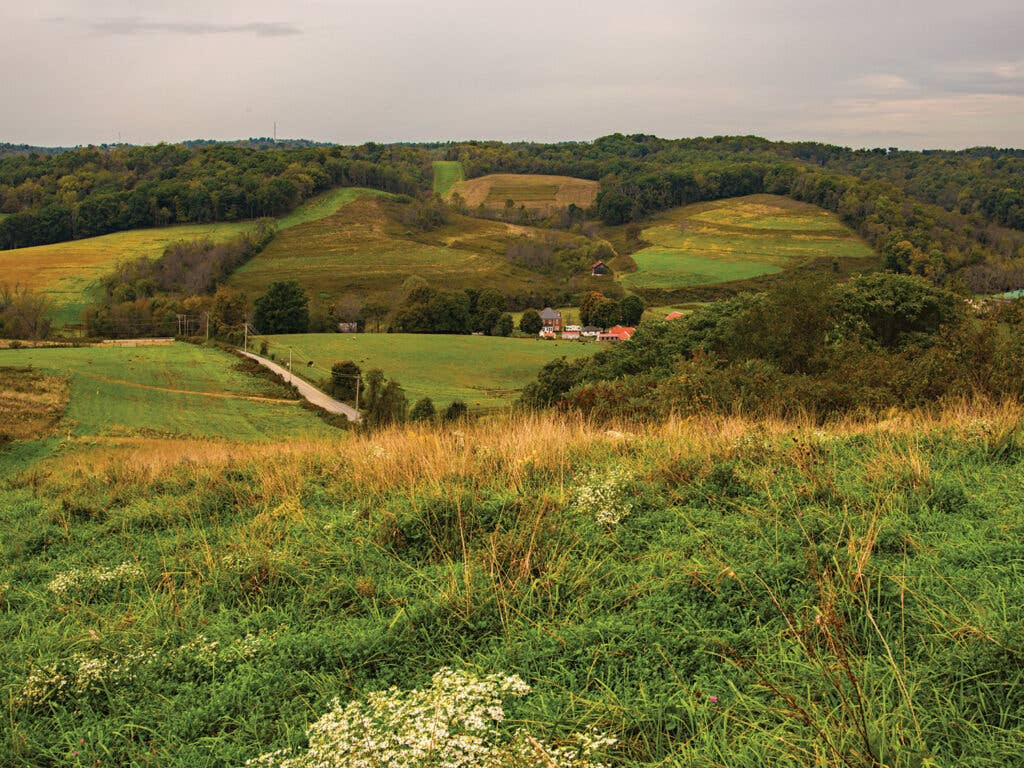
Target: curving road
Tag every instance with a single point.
(307, 390)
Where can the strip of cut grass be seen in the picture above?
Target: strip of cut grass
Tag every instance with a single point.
(447, 173)
(326, 204)
(482, 371)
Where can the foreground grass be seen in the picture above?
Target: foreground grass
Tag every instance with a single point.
(737, 239)
(482, 371)
(710, 592)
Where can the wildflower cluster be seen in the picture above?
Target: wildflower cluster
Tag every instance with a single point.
(75, 582)
(604, 497)
(213, 652)
(80, 675)
(455, 723)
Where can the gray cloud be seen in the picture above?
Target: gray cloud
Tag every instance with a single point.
(913, 73)
(135, 26)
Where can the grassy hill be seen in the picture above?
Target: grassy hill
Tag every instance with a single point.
(705, 592)
(446, 174)
(68, 272)
(536, 192)
(737, 239)
(366, 251)
(482, 371)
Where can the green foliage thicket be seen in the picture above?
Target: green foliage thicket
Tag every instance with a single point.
(530, 322)
(878, 341)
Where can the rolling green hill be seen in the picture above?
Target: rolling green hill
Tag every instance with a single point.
(366, 251)
(482, 371)
(737, 239)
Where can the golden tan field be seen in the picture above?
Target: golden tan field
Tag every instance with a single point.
(66, 272)
(511, 446)
(534, 191)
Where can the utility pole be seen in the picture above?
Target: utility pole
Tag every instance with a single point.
(289, 358)
(245, 343)
(359, 380)
(207, 326)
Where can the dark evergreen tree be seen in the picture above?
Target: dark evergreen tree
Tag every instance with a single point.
(284, 308)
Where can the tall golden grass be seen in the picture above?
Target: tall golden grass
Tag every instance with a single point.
(509, 447)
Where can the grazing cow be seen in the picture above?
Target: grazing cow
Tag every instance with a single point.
(309, 364)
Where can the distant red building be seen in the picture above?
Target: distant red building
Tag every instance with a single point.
(617, 333)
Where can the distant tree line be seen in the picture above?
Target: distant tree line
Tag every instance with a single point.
(93, 191)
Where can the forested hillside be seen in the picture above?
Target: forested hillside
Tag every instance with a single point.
(952, 216)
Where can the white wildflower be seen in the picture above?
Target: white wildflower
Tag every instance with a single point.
(80, 675)
(455, 723)
(74, 582)
(604, 497)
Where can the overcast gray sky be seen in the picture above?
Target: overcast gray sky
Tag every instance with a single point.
(908, 73)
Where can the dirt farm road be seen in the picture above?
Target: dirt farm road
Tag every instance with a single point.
(307, 390)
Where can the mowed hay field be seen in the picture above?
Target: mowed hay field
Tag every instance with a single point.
(536, 192)
(737, 239)
(366, 251)
(172, 390)
(446, 174)
(482, 371)
(69, 273)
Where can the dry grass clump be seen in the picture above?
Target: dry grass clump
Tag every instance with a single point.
(31, 403)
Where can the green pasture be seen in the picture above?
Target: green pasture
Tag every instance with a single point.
(175, 389)
(482, 371)
(737, 239)
(447, 173)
